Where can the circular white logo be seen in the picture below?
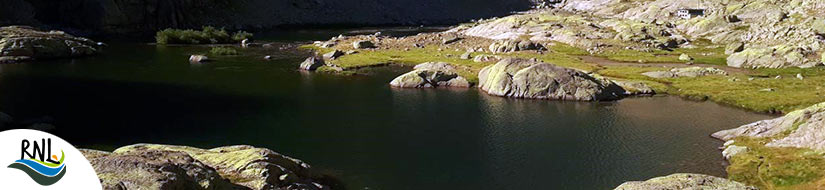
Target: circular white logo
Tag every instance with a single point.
(39, 160)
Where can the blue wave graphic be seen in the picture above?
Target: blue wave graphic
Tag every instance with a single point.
(40, 168)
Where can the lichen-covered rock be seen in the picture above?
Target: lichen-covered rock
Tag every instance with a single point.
(19, 43)
(363, 44)
(311, 63)
(773, 57)
(514, 45)
(523, 78)
(152, 166)
(154, 170)
(686, 72)
(805, 129)
(634, 87)
(684, 181)
(430, 74)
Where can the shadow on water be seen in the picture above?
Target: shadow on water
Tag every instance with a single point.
(91, 111)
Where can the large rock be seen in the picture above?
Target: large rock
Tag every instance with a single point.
(311, 63)
(431, 74)
(25, 43)
(805, 129)
(684, 181)
(152, 166)
(505, 46)
(363, 44)
(523, 78)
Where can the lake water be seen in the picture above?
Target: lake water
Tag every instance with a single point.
(359, 129)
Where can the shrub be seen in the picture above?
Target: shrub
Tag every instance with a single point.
(208, 35)
(223, 51)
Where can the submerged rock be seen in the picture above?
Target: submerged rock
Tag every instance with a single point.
(522, 78)
(198, 58)
(805, 129)
(686, 72)
(311, 63)
(430, 74)
(21, 43)
(152, 166)
(685, 181)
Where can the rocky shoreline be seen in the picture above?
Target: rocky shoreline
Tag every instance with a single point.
(154, 166)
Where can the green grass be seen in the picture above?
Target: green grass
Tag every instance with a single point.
(223, 51)
(208, 35)
(789, 92)
(770, 168)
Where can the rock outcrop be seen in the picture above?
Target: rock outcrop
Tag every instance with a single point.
(311, 63)
(514, 45)
(685, 181)
(523, 78)
(429, 75)
(152, 166)
(778, 34)
(686, 72)
(21, 43)
(805, 128)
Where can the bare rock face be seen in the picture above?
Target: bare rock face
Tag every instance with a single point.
(685, 181)
(20, 43)
(429, 75)
(151, 166)
(522, 78)
(806, 128)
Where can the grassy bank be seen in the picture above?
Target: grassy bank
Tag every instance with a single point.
(757, 90)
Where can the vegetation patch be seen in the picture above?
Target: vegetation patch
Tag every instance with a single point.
(208, 35)
(771, 168)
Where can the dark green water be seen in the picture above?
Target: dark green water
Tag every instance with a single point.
(360, 129)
